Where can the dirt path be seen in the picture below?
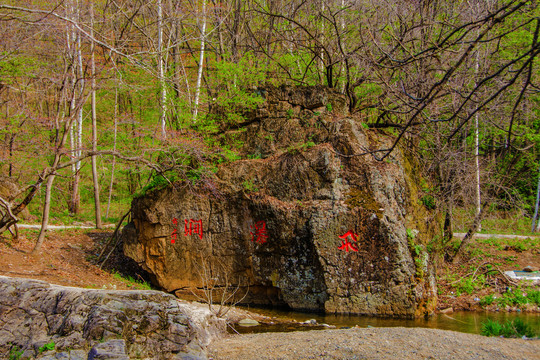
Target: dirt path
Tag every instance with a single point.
(372, 343)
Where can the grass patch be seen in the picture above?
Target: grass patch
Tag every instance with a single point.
(509, 329)
(518, 297)
(518, 245)
(469, 285)
(131, 282)
(495, 222)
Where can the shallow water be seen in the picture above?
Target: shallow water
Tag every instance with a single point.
(463, 321)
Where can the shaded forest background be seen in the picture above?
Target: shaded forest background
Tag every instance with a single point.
(102, 100)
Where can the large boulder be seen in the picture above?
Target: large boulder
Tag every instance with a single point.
(306, 221)
(98, 324)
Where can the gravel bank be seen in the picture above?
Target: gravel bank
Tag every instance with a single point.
(372, 343)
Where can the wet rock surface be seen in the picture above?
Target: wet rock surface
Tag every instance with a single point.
(305, 222)
(97, 324)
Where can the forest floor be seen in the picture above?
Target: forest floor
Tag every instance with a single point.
(478, 281)
(68, 258)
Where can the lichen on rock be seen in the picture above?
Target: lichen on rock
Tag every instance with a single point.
(333, 223)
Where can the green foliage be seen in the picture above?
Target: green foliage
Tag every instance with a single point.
(131, 282)
(290, 113)
(411, 233)
(157, 182)
(518, 298)
(518, 245)
(470, 284)
(46, 347)
(254, 156)
(510, 329)
(295, 149)
(420, 256)
(487, 300)
(15, 353)
(329, 107)
(428, 201)
(249, 186)
(491, 328)
(236, 80)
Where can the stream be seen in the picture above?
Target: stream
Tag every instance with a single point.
(463, 321)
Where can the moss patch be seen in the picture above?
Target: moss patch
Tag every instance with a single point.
(362, 199)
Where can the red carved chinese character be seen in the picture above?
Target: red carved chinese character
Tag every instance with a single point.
(175, 230)
(260, 235)
(346, 244)
(195, 227)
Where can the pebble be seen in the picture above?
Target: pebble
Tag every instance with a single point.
(248, 322)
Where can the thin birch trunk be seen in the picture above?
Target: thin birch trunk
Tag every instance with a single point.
(163, 90)
(114, 149)
(71, 37)
(78, 138)
(97, 205)
(342, 66)
(322, 69)
(201, 64)
(535, 217)
(477, 148)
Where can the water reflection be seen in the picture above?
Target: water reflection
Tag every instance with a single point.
(468, 322)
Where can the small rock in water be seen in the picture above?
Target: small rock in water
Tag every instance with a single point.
(530, 268)
(310, 322)
(447, 311)
(248, 322)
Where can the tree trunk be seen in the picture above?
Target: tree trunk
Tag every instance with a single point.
(201, 64)
(46, 211)
(163, 89)
(535, 217)
(468, 237)
(97, 205)
(114, 149)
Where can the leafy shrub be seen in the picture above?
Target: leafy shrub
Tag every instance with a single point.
(515, 298)
(488, 300)
(469, 284)
(534, 297)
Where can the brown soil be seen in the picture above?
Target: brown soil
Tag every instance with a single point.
(66, 259)
(373, 343)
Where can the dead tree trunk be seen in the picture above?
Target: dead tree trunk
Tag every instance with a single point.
(468, 237)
